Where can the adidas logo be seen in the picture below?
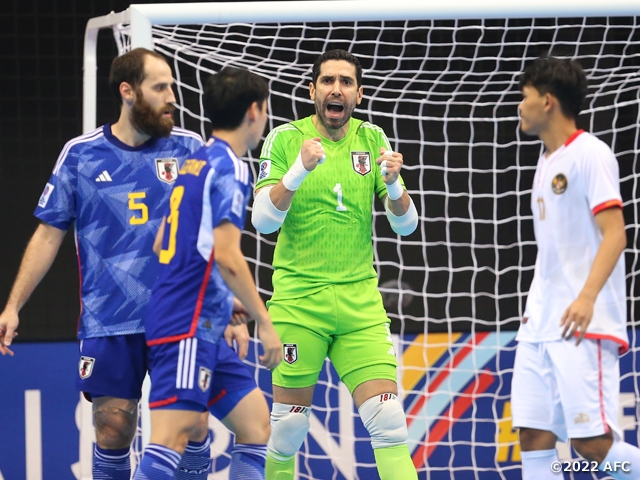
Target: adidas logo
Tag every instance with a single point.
(104, 177)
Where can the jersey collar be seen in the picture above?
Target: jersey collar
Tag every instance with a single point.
(108, 134)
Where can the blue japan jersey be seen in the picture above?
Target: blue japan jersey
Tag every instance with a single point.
(114, 195)
(190, 297)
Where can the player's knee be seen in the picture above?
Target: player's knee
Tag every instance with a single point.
(384, 419)
(289, 427)
(201, 429)
(593, 449)
(115, 428)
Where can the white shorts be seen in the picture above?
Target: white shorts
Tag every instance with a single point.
(572, 391)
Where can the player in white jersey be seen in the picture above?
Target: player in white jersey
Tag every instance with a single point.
(566, 377)
(111, 185)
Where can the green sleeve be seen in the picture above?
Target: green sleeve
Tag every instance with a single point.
(276, 155)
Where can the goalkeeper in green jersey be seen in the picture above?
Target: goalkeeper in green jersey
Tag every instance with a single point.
(316, 183)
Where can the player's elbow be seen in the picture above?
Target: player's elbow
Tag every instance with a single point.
(405, 224)
(266, 218)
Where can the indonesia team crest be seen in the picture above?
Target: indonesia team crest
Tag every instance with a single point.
(559, 184)
(204, 379)
(167, 169)
(290, 352)
(361, 162)
(85, 367)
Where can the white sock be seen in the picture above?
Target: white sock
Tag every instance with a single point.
(622, 456)
(536, 465)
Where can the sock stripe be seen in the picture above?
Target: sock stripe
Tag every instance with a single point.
(169, 456)
(197, 447)
(253, 449)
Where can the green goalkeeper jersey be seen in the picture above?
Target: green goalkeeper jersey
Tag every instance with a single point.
(326, 237)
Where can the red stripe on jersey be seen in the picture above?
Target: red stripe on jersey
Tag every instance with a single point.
(162, 403)
(572, 137)
(217, 398)
(600, 390)
(624, 346)
(79, 284)
(605, 205)
(196, 314)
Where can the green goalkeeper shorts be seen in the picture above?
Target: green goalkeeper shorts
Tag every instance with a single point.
(346, 323)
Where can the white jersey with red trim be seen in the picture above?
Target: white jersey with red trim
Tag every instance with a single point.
(570, 187)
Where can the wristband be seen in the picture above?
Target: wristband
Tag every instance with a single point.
(296, 174)
(395, 190)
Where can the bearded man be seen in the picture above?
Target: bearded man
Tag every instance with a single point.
(112, 185)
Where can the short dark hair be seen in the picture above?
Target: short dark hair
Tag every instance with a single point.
(129, 68)
(229, 93)
(337, 55)
(561, 77)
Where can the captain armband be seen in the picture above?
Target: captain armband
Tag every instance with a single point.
(404, 224)
(266, 218)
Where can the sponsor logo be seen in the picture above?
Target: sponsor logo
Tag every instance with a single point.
(46, 193)
(290, 352)
(265, 170)
(238, 203)
(581, 418)
(204, 379)
(167, 169)
(361, 162)
(85, 367)
(559, 184)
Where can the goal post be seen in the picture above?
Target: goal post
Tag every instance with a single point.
(441, 79)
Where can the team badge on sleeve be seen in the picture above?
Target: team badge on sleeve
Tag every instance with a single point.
(204, 379)
(167, 169)
(265, 170)
(361, 162)
(559, 184)
(85, 367)
(238, 203)
(290, 351)
(46, 193)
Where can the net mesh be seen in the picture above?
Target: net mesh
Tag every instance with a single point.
(445, 92)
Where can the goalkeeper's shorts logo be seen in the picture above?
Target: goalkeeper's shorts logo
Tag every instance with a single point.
(361, 162)
(290, 352)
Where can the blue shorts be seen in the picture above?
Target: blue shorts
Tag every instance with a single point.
(112, 366)
(194, 374)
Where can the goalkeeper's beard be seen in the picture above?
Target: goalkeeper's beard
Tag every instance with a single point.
(333, 123)
(152, 122)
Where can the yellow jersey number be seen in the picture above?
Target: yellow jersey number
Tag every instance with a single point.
(139, 206)
(172, 223)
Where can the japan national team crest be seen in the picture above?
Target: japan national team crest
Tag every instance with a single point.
(361, 162)
(85, 367)
(204, 379)
(290, 352)
(167, 169)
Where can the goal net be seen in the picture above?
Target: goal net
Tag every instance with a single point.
(445, 92)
